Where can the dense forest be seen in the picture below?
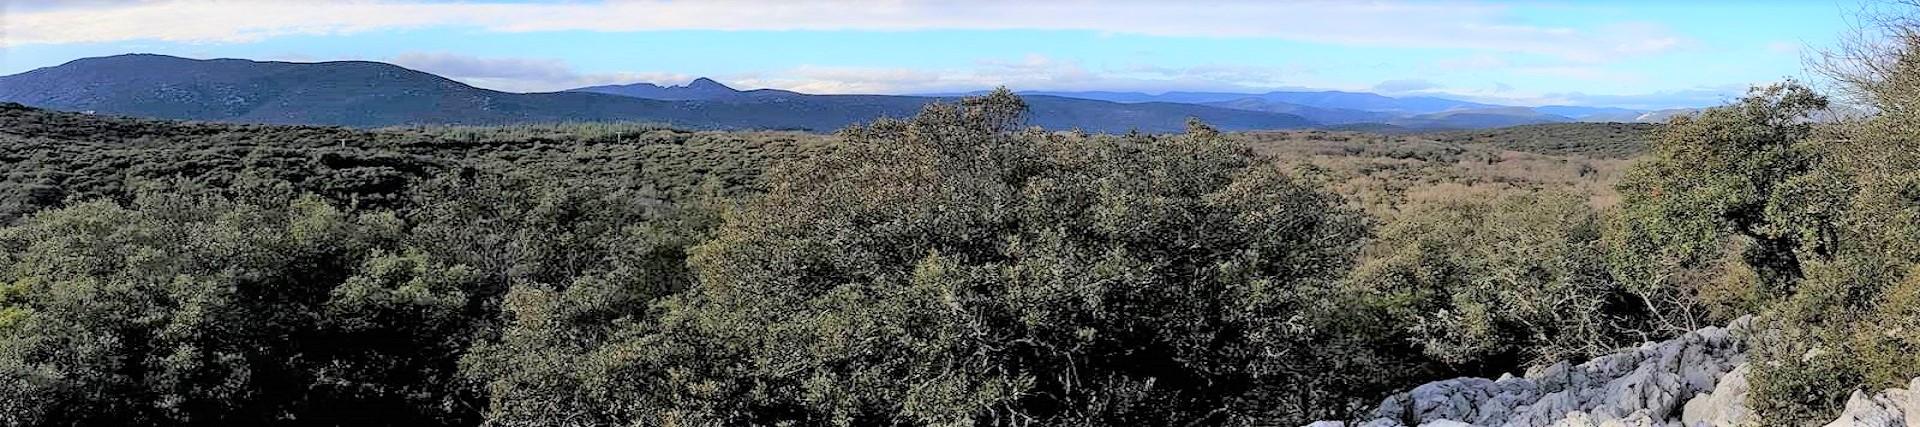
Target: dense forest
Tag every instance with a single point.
(953, 268)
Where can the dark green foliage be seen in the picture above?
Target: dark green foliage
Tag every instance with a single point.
(1800, 379)
(1753, 207)
(1743, 208)
(1729, 179)
(546, 365)
(949, 269)
(185, 309)
(1854, 321)
(195, 309)
(952, 270)
(49, 158)
(1488, 282)
(1597, 140)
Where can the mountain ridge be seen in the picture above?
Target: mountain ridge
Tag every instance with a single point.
(1339, 108)
(700, 89)
(374, 94)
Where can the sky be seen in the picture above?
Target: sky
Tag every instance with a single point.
(1623, 53)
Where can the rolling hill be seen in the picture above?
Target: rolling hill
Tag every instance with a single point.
(1327, 116)
(1596, 140)
(1478, 118)
(700, 89)
(1591, 113)
(373, 94)
(353, 93)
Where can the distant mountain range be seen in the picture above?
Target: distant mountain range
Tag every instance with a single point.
(1336, 100)
(701, 89)
(371, 94)
(1337, 109)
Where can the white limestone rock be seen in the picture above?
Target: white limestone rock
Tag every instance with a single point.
(1644, 386)
(1696, 380)
(1892, 407)
(1725, 406)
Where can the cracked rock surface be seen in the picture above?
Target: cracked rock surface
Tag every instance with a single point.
(1695, 379)
(1892, 407)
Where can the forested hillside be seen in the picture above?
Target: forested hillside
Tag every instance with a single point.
(1508, 214)
(1601, 140)
(209, 273)
(958, 267)
(55, 157)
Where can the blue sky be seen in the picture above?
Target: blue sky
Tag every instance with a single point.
(1639, 54)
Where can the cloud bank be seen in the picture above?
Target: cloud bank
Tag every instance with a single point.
(1401, 24)
(1486, 34)
(1031, 72)
(520, 74)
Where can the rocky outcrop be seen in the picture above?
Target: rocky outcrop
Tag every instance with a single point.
(1725, 406)
(1893, 407)
(1696, 380)
(1682, 381)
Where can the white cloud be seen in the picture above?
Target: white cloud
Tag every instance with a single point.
(33, 5)
(1030, 72)
(522, 74)
(1633, 38)
(855, 80)
(1404, 86)
(1277, 77)
(1038, 72)
(1480, 61)
(454, 65)
(1586, 73)
(1704, 96)
(1785, 48)
(1378, 23)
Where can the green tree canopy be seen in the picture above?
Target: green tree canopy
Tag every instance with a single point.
(954, 269)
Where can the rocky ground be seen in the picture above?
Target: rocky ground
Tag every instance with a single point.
(1698, 379)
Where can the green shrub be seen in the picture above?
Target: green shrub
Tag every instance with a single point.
(1491, 281)
(189, 310)
(1798, 379)
(953, 270)
(948, 269)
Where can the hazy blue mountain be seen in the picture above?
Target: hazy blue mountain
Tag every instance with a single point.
(1479, 118)
(367, 94)
(1373, 102)
(700, 89)
(1135, 97)
(1319, 99)
(350, 93)
(1610, 114)
(1661, 116)
(1328, 116)
(1049, 111)
(1336, 108)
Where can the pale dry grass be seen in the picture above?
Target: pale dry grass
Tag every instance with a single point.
(1384, 174)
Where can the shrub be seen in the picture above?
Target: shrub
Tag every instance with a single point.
(192, 310)
(1493, 281)
(951, 269)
